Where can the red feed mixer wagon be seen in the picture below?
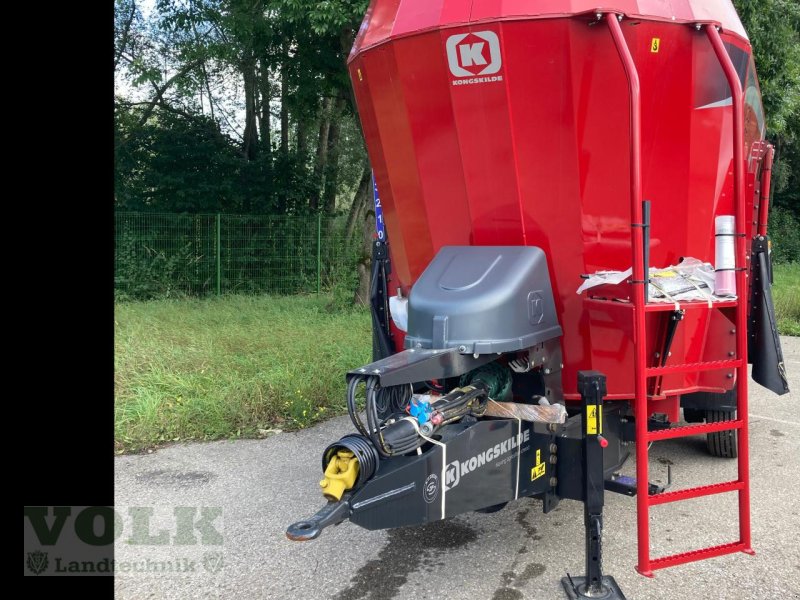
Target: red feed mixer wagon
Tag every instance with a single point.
(575, 203)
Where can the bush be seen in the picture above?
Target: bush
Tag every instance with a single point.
(141, 272)
(784, 230)
(786, 298)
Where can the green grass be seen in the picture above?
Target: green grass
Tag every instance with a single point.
(229, 367)
(786, 295)
(238, 365)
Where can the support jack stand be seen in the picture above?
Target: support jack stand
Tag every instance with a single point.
(595, 585)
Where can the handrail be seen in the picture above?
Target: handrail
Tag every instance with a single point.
(639, 301)
(766, 182)
(741, 278)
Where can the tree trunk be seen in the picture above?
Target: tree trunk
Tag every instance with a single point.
(285, 107)
(361, 225)
(346, 38)
(302, 137)
(332, 165)
(322, 150)
(250, 146)
(208, 93)
(361, 201)
(266, 96)
(361, 296)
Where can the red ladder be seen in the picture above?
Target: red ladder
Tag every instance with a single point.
(646, 564)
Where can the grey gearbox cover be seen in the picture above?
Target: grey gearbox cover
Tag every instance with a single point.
(483, 299)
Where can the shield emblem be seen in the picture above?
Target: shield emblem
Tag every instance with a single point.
(37, 561)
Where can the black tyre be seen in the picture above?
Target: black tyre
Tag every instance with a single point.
(694, 415)
(721, 443)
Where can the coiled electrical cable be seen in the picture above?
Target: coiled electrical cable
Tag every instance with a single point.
(392, 399)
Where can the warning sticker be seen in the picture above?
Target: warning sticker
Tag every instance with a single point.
(540, 468)
(594, 419)
(655, 44)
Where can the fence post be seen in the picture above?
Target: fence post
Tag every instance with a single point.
(319, 252)
(219, 254)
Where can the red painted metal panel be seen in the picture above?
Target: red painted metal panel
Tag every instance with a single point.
(537, 152)
(378, 23)
(390, 19)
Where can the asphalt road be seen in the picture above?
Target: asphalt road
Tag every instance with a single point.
(260, 486)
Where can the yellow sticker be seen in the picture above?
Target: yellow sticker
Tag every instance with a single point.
(540, 468)
(655, 44)
(360, 77)
(594, 420)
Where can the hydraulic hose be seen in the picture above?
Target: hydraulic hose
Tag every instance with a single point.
(352, 408)
(395, 436)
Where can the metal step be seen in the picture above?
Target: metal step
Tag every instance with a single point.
(663, 306)
(686, 430)
(670, 306)
(694, 492)
(695, 555)
(714, 365)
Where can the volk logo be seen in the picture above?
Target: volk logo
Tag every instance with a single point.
(474, 55)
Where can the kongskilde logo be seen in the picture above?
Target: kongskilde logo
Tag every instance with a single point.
(474, 57)
(457, 469)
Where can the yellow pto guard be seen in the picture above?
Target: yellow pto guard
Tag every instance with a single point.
(340, 475)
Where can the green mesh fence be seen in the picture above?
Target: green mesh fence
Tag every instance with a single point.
(170, 255)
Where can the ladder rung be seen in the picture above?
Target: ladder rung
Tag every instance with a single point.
(670, 306)
(695, 492)
(660, 306)
(693, 555)
(676, 432)
(694, 367)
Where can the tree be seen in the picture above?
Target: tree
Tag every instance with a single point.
(774, 30)
(270, 74)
